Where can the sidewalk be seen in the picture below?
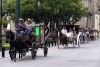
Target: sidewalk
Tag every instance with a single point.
(6, 54)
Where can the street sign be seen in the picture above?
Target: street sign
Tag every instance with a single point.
(37, 30)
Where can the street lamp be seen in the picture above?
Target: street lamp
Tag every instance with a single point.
(87, 20)
(0, 23)
(57, 24)
(39, 4)
(17, 10)
(68, 13)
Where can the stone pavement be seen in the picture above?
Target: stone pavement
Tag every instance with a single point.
(88, 55)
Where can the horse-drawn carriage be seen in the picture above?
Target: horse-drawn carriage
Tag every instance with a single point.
(84, 35)
(93, 34)
(73, 35)
(36, 40)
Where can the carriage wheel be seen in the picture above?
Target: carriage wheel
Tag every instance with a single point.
(45, 50)
(33, 52)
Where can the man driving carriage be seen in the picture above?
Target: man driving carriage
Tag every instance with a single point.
(64, 30)
(24, 29)
(20, 27)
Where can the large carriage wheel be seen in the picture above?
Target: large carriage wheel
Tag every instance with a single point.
(45, 49)
(33, 50)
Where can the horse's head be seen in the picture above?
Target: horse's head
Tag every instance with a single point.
(9, 35)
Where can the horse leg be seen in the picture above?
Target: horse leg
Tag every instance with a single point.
(66, 42)
(19, 54)
(15, 55)
(10, 53)
(59, 42)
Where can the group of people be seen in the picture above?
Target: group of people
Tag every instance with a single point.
(70, 33)
(24, 29)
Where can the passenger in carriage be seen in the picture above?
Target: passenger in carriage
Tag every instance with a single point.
(64, 30)
(29, 27)
(20, 27)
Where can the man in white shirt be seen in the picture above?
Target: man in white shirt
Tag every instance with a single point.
(64, 30)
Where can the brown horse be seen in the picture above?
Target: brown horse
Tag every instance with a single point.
(62, 39)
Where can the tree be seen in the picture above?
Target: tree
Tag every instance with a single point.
(72, 9)
(4, 22)
(9, 9)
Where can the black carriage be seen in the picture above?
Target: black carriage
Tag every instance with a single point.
(37, 40)
(22, 44)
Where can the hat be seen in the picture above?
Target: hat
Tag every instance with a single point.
(29, 20)
(21, 19)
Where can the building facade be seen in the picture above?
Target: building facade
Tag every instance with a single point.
(93, 15)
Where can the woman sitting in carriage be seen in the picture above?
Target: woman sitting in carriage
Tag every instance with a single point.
(29, 28)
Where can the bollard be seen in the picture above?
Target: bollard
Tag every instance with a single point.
(3, 51)
(52, 43)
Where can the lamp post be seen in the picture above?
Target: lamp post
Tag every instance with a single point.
(17, 10)
(0, 23)
(88, 13)
(39, 4)
(87, 20)
(68, 13)
(57, 24)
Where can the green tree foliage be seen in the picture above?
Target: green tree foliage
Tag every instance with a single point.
(9, 8)
(4, 22)
(72, 9)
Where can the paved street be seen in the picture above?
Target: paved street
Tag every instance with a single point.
(88, 55)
